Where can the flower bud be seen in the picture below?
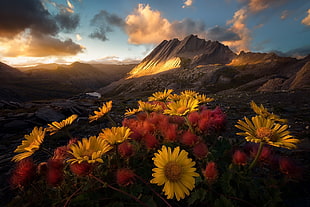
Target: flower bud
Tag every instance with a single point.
(126, 149)
(23, 173)
(200, 150)
(125, 177)
(211, 172)
(81, 169)
(239, 158)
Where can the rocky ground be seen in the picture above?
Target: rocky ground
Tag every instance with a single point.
(17, 119)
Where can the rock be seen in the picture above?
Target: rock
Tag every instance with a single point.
(48, 114)
(16, 125)
(302, 79)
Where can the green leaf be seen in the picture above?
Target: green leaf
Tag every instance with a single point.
(197, 195)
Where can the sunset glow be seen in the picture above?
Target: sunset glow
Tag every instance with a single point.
(65, 31)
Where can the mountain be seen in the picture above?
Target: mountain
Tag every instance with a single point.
(62, 81)
(210, 68)
(189, 52)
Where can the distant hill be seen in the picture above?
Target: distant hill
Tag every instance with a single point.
(56, 81)
(211, 67)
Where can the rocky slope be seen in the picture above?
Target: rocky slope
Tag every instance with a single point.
(189, 52)
(211, 72)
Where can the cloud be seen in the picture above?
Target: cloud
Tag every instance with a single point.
(104, 22)
(187, 3)
(239, 27)
(222, 34)
(147, 26)
(284, 14)
(78, 37)
(68, 22)
(260, 5)
(32, 45)
(300, 52)
(306, 20)
(30, 30)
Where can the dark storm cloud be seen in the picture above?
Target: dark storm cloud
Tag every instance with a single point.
(67, 21)
(40, 28)
(104, 22)
(222, 34)
(17, 15)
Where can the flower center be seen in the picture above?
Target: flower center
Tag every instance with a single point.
(173, 171)
(264, 133)
(181, 109)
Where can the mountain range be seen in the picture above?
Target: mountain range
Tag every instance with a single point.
(191, 63)
(209, 66)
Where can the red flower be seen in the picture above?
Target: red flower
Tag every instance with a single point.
(189, 138)
(211, 172)
(194, 118)
(126, 149)
(239, 158)
(200, 150)
(170, 132)
(55, 173)
(289, 167)
(24, 173)
(150, 141)
(125, 177)
(81, 169)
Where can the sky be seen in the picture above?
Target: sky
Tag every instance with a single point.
(125, 31)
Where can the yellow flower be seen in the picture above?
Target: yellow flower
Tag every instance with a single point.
(130, 112)
(174, 97)
(261, 129)
(261, 110)
(89, 150)
(189, 93)
(115, 134)
(161, 96)
(102, 111)
(31, 144)
(148, 107)
(204, 99)
(182, 107)
(56, 126)
(175, 171)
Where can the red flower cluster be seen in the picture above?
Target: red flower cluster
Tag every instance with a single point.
(207, 120)
(23, 173)
(55, 172)
(81, 169)
(211, 172)
(125, 177)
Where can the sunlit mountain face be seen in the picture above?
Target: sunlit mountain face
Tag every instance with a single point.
(66, 31)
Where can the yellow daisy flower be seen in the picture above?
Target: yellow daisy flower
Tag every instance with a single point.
(175, 171)
(57, 126)
(261, 129)
(174, 97)
(89, 150)
(189, 93)
(182, 107)
(130, 112)
(161, 96)
(204, 99)
(115, 134)
(148, 107)
(102, 111)
(31, 144)
(261, 110)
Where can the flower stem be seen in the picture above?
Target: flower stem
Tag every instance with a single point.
(46, 151)
(259, 152)
(118, 190)
(71, 196)
(157, 194)
(111, 120)
(189, 124)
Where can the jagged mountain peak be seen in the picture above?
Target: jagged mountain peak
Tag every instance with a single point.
(189, 52)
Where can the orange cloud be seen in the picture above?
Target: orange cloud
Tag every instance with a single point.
(147, 26)
(306, 20)
(187, 3)
(27, 44)
(238, 26)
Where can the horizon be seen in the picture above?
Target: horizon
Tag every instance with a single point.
(122, 32)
